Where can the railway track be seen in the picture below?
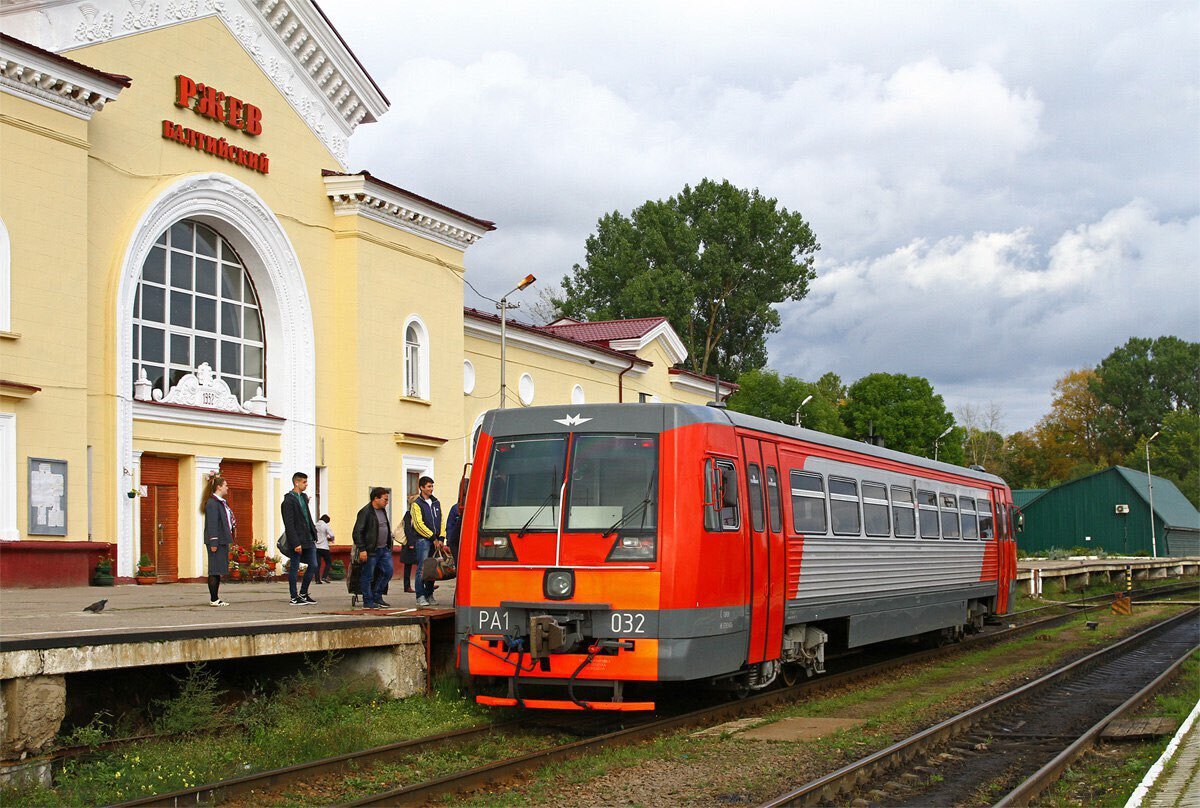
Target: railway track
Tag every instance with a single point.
(277, 780)
(1028, 736)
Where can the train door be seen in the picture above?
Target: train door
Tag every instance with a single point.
(766, 563)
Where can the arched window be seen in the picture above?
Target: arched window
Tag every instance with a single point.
(416, 359)
(195, 304)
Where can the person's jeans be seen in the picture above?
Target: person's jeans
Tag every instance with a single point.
(376, 572)
(307, 555)
(325, 562)
(424, 551)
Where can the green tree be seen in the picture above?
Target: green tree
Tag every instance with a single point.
(905, 412)
(1141, 382)
(1022, 462)
(1175, 454)
(1071, 435)
(768, 395)
(713, 260)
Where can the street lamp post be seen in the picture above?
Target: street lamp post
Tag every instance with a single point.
(807, 399)
(504, 306)
(1150, 482)
(938, 440)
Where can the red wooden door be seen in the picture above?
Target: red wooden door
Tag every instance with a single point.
(240, 476)
(160, 515)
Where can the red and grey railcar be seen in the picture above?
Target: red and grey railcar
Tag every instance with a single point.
(611, 545)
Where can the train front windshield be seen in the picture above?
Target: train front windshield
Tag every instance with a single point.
(611, 484)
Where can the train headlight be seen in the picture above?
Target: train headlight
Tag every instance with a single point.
(558, 584)
(633, 548)
(495, 548)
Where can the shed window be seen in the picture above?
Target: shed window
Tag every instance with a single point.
(875, 509)
(843, 507)
(808, 502)
(927, 504)
(903, 514)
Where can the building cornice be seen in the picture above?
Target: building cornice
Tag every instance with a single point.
(695, 383)
(363, 195)
(46, 78)
(663, 331)
(291, 40)
(197, 416)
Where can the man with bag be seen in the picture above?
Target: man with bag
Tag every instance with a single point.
(373, 543)
(427, 520)
(301, 538)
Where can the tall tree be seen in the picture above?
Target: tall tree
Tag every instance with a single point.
(1141, 382)
(1071, 434)
(905, 412)
(1022, 462)
(1175, 454)
(713, 260)
(768, 395)
(981, 423)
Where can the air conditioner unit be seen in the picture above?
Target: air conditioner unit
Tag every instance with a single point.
(1122, 509)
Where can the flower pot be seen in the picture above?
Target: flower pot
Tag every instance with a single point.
(243, 559)
(146, 579)
(103, 579)
(235, 573)
(259, 555)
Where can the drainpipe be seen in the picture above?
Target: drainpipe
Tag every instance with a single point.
(621, 381)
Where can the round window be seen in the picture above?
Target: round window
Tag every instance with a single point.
(468, 377)
(525, 389)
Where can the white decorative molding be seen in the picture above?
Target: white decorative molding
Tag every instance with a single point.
(54, 83)
(202, 389)
(290, 40)
(525, 389)
(695, 384)
(8, 477)
(363, 195)
(468, 377)
(663, 331)
(208, 465)
(235, 211)
(5, 280)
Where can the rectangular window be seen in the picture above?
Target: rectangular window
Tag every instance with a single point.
(927, 504)
(614, 484)
(754, 483)
(774, 500)
(986, 529)
(843, 507)
(949, 517)
(808, 502)
(970, 523)
(875, 509)
(524, 482)
(720, 473)
(903, 515)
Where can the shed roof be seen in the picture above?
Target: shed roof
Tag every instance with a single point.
(1024, 496)
(1169, 502)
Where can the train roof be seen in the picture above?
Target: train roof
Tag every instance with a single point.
(654, 418)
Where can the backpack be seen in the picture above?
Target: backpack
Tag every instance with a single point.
(410, 533)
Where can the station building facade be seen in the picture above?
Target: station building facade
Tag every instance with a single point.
(193, 280)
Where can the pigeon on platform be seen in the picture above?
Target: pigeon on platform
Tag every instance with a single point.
(96, 607)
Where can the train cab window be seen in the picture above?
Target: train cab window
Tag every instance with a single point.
(927, 507)
(808, 502)
(986, 528)
(903, 514)
(970, 522)
(774, 501)
(613, 484)
(754, 483)
(950, 529)
(719, 476)
(843, 507)
(875, 509)
(523, 484)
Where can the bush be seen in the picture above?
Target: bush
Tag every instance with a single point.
(195, 708)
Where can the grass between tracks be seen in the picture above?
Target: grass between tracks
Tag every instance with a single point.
(306, 716)
(1108, 774)
(684, 768)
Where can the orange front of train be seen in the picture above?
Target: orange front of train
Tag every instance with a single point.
(583, 570)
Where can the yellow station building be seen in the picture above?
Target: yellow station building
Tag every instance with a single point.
(193, 278)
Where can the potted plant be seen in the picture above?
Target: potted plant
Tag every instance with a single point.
(103, 576)
(260, 551)
(337, 571)
(235, 572)
(238, 553)
(146, 571)
(258, 572)
(271, 564)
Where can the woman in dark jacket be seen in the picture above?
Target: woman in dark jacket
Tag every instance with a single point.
(219, 527)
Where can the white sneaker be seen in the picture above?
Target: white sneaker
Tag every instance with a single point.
(431, 601)
(422, 602)
(217, 602)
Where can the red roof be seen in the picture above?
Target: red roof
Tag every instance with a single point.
(606, 331)
(552, 333)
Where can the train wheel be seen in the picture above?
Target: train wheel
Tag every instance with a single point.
(790, 673)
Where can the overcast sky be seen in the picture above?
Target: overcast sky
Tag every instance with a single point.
(1002, 192)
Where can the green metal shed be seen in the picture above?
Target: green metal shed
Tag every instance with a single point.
(1110, 510)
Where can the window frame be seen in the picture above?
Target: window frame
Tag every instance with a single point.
(712, 511)
(968, 513)
(775, 501)
(415, 375)
(874, 502)
(925, 509)
(758, 519)
(910, 505)
(948, 509)
(839, 497)
(804, 492)
(984, 504)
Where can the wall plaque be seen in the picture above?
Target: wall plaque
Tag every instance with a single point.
(47, 497)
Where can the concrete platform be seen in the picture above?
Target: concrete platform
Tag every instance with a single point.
(1033, 573)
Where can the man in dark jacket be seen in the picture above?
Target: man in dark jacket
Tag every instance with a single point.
(373, 543)
(426, 513)
(301, 535)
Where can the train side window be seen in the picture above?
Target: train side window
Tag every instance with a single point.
(875, 509)
(719, 516)
(927, 505)
(903, 515)
(949, 516)
(774, 501)
(970, 522)
(843, 507)
(808, 502)
(754, 483)
(986, 525)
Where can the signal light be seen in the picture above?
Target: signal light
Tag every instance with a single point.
(495, 548)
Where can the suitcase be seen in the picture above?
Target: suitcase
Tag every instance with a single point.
(354, 580)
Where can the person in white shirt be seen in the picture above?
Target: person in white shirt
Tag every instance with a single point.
(324, 556)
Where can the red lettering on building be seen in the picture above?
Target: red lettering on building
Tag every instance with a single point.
(220, 149)
(216, 105)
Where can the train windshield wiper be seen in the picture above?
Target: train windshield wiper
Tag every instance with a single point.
(639, 509)
(549, 498)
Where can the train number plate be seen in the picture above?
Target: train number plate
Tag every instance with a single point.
(627, 623)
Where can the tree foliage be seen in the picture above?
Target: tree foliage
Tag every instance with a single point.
(981, 424)
(1175, 454)
(713, 260)
(1071, 434)
(905, 412)
(768, 395)
(1143, 381)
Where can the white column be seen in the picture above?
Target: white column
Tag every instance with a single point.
(270, 499)
(131, 481)
(204, 467)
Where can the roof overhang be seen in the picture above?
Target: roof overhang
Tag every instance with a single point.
(489, 329)
(53, 81)
(663, 331)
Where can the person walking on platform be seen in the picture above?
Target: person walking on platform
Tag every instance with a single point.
(373, 543)
(301, 536)
(219, 528)
(324, 556)
(426, 514)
